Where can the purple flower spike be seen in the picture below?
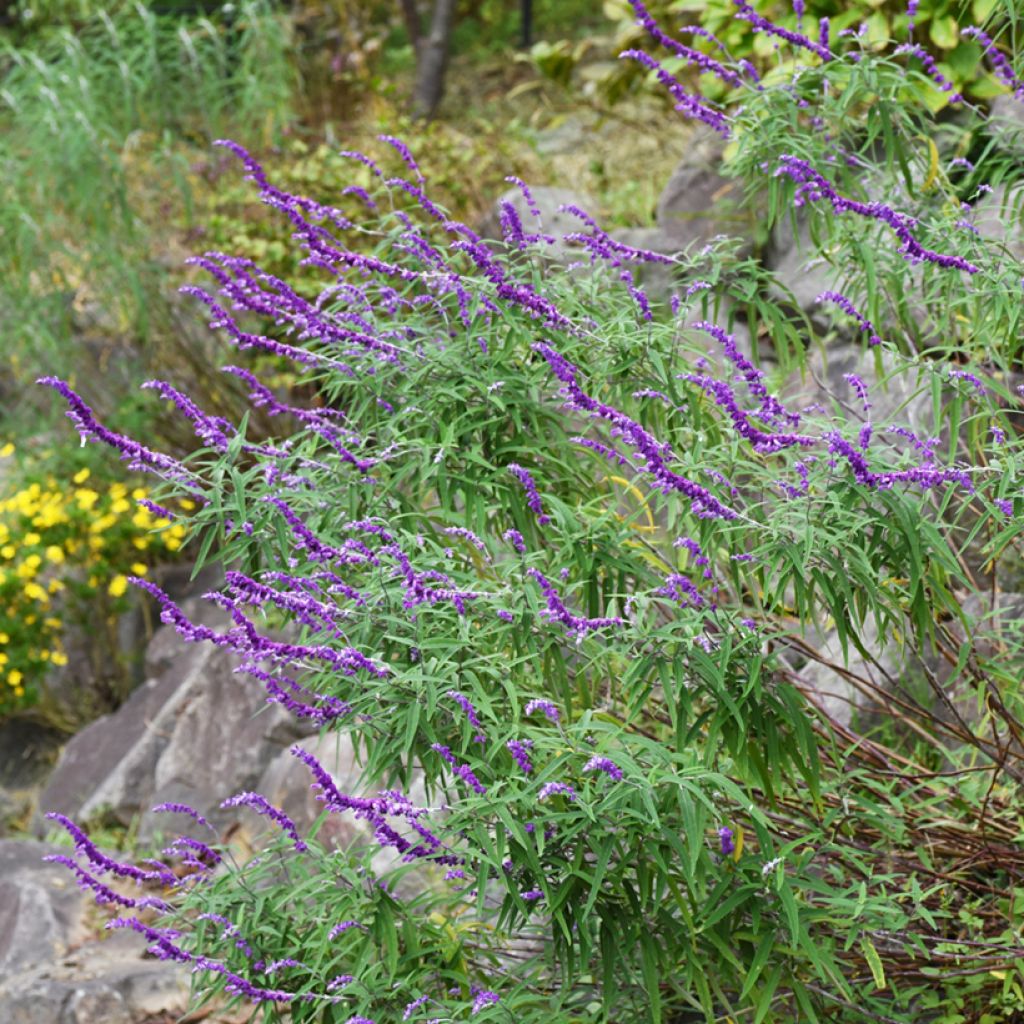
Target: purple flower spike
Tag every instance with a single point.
(545, 706)
(532, 496)
(262, 806)
(520, 751)
(606, 765)
(725, 841)
(482, 999)
(813, 187)
(556, 788)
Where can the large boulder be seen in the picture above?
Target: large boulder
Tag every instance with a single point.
(699, 203)
(190, 734)
(41, 908)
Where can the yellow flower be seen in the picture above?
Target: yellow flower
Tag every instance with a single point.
(14, 677)
(139, 569)
(19, 691)
(8, 551)
(187, 504)
(81, 476)
(32, 539)
(118, 585)
(86, 498)
(55, 585)
(3, 658)
(52, 623)
(58, 658)
(34, 592)
(4, 638)
(141, 542)
(172, 544)
(121, 505)
(8, 449)
(55, 554)
(138, 493)
(118, 490)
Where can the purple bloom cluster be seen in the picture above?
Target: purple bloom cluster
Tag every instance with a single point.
(520, 752)
(813, 187)
(848, 307)
(606, 765)
(548, 709)
(556, 610)
(654, 453)
(467, 706)
(762, 24)
(686, 104)
(1000, 62)
(462, 771)
(532, 496)
(262, 806)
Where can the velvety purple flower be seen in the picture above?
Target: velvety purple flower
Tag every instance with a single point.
(532, 895)
(970, 378)
(699, 60)
(555, 789)
(762, 24)
(686, 104)
(482, 998)
(462, 771)
(654, 453)
(262, 806)
(340, 929)
(340, 981)
(177, 808)
(545, 706)
(557, 611)
(860, 388)
(412, 1007)
(1000, 62)
(813, 187)
(515, 538)
(728, 847)
(520, 752)
(1005, 505)
(470, 712)
(929, 67)
(532, 496)
(85, 846)
(606, 765)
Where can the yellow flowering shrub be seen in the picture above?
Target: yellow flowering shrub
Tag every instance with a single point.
(59, 538)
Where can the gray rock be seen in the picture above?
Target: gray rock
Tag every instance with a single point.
(41, 908)
(105, 981)
(95, 1003)
(699, 202)
(799, 267)
(1008, 113)
(190, 735)
(897, 395)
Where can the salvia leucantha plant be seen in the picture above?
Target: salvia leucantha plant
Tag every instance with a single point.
(558, 558)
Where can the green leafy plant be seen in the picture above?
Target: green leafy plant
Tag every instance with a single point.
(560, 560)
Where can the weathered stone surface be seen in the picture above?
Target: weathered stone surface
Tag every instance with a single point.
(898, 396)
(41, 908)
(191, 735)
(104, 981)
(799, 268)
(699, 202)
(28, 752)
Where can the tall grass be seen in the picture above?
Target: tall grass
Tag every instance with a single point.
(89, 121)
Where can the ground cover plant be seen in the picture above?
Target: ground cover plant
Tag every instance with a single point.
(557, 556)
